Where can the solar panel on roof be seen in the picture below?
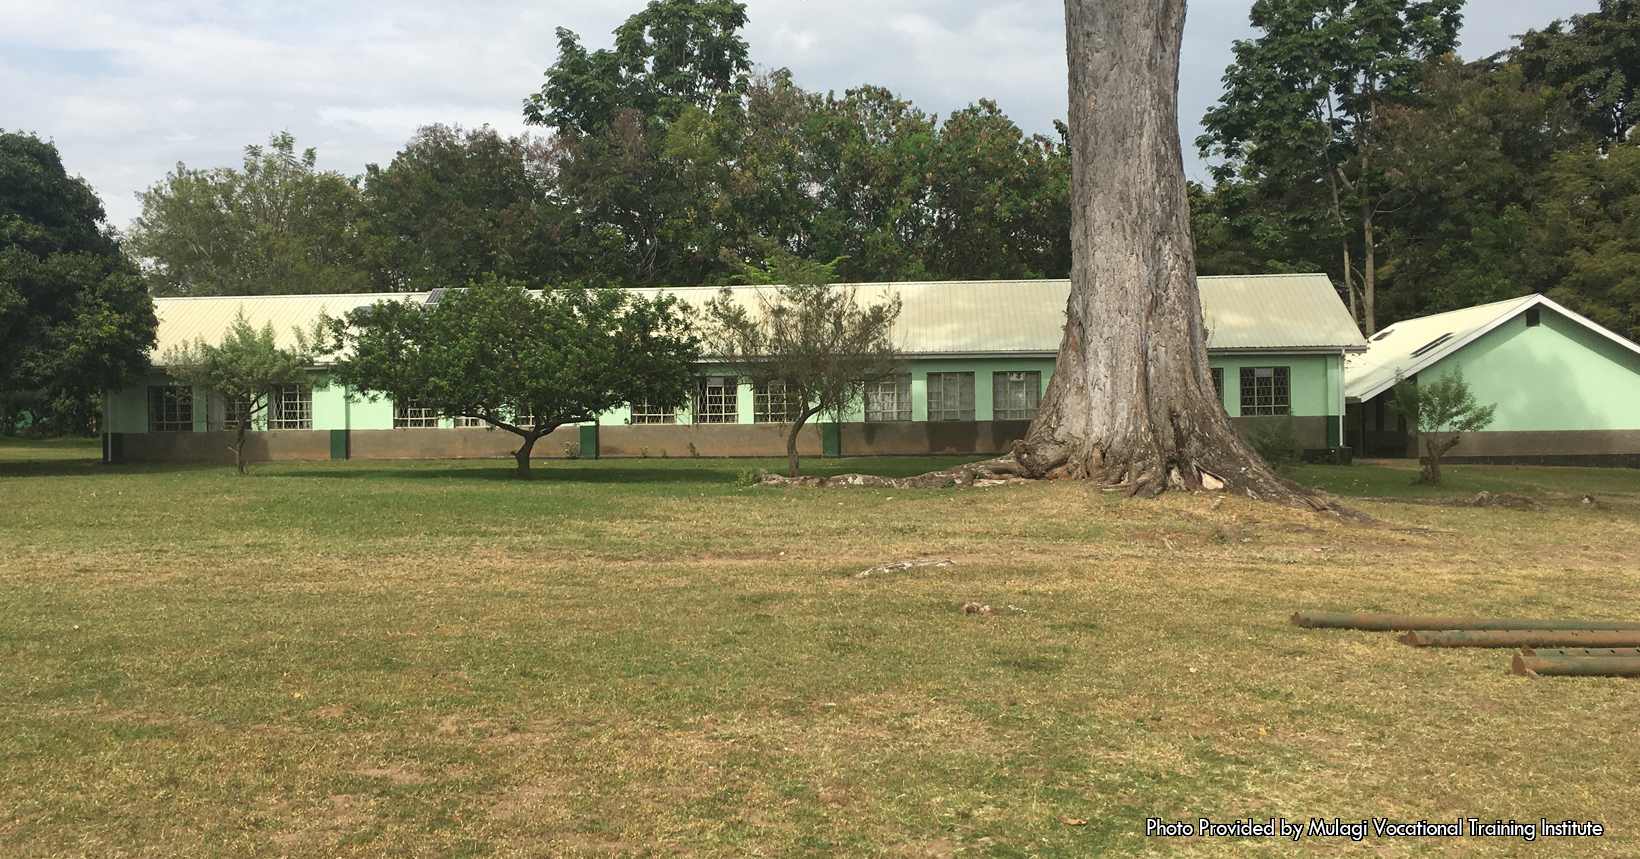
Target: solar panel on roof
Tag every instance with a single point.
(1432, 344)
(433, 297)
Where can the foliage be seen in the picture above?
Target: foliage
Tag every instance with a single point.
(1446, 407)
(1275, 439)
(245, 370)
(1597, 60)
(74, 318)
(526, 363)
(1586, 235)
(1299, 119)
(455, 205)
(813, 338)
(278, 225)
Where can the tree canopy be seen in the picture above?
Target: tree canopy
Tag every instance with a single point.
(523, 362)
(74, 318)
(245, 371)
(810, 345)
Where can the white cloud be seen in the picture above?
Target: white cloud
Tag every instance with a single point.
(127, 89)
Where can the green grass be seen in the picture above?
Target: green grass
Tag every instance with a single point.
(640, 657)
(1398, 479)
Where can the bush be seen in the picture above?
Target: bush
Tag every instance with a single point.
(749, 477)
(1276, 440)
(572, 450)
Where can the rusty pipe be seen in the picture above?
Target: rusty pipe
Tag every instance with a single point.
(1580, 651)
(1576, 666)
(1401, 622)
(1522, 638)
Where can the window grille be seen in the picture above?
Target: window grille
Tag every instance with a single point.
(1218, 382)
(170, 408)
(716, 400)
(1015, 396)
(464, 421)
(523, 416)
(950, 396)
(773, 403)
(231, 410)
(889, 399)
(291, 408)
(645, 412)
(413, 414)
(1264, 391)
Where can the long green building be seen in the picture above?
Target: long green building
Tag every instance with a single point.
(979, 355)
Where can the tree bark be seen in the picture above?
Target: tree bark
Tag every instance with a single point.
(1131, 402)
(1369, 297)
(791, 441)
(239, 449)
(522, 454)
(1430, 473)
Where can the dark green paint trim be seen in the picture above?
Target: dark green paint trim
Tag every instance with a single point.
(338, 444)
(589, 442)
(831, 441)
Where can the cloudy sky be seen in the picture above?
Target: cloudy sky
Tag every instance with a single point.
(128, 89)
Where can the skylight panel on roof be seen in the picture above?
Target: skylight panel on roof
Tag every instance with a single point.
(1431, 344)
(1382, 334)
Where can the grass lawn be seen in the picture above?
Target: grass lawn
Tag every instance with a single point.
(429, 659)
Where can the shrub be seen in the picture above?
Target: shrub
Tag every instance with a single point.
(1276, 440)
(749, 477)
(572, 449)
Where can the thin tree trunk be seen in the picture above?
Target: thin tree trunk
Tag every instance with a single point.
(239, 449)
(1368, 277)
(1430, 473)
(791, 441)
(1131, 402)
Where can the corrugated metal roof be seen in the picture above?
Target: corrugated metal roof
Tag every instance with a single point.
(997, 317)
(1408, 346)
(184, 320)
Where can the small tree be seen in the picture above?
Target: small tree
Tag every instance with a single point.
(813, 338)
(526, 363)
(245, 370)
(1444, 407)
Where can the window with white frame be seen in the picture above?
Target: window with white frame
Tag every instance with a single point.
(412, 414)
(464, 421)
(889, 399)
(950, 396)
(717, 400)
(291, 408)
(1265, 391)
(231, 410)
(170, 408)
(523, 416)
(1015, 395)
(645, 412)
(774, 403)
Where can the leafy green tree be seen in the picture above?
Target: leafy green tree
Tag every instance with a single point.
(812, 341)
(1300, 117)
(1441, 411)
(1469, 168)
(524, 362)
(245, 370)
(1598, 58)
(278, 225)
(1586, 235)
(455, 205)
(75, 319)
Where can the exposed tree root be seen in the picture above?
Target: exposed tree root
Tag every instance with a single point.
(1014, 468)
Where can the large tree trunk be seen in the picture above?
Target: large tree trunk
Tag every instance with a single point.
(1131, 403)
(522, 454)
(1369, 290)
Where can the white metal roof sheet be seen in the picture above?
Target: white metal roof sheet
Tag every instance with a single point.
(998, 317)
(1408, 346)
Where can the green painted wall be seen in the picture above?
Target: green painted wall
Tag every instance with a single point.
(1313, 378)
(1558, 375)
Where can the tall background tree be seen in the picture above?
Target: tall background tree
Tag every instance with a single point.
(277, 225)
(1301, 117)
(74, 318)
